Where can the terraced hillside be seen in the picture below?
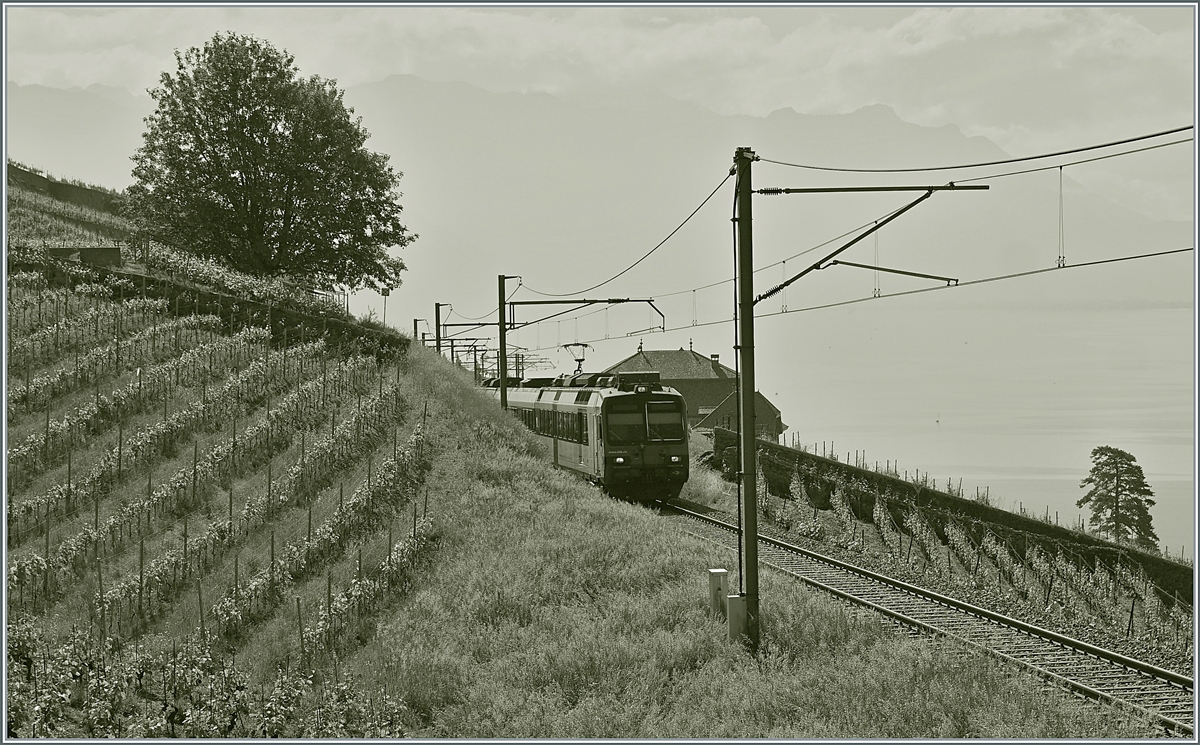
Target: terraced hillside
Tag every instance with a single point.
(231, 514)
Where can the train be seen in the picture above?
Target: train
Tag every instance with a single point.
(625, 431)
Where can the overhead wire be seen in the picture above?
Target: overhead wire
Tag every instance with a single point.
(876, 220)
(645, 256)
(1074, 162)
(981, 165)
(489, 314)
(957, 181)
(963, 283)
(809, 250)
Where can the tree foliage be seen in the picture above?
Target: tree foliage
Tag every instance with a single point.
(1119, 497)
(247, 162)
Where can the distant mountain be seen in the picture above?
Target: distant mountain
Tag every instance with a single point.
(520, 183)
(86, 134)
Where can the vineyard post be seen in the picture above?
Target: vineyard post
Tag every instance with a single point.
(195, 469)
(271, 569)
(141, 573)
(46, 570)
(68, 505)
(120, 448)
(200, 606)
(425, 512)
(300, 627)
(414, 520)
(328, 605)
(360, 563)
(100, 583)
(1129, 630)
(233, 427)
(236, 591)
(186, 565)
(309, 539)
(231, 506)
(269, 500)
(46, 441)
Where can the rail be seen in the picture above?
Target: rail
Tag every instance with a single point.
(1163, 695)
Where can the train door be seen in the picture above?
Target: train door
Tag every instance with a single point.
(554, 431)
(597, 456)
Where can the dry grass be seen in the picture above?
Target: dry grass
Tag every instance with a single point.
(550, 610)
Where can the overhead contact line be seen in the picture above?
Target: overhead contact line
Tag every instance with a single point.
(988, 163)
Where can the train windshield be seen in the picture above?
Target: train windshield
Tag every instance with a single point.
(626, 423)
(664, 420)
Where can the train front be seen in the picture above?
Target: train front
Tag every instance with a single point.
(645, 439)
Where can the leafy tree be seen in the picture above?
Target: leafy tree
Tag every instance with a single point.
(1119, 497)
(246, 162)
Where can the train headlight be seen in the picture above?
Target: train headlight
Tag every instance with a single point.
(619, 460)
(675, 459)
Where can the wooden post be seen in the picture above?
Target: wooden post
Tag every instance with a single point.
(195, 469)
(100, 583)
(300, 627)
(141, 573)
(120, 449)
(185, 542)
(200, 605)
(46, 571)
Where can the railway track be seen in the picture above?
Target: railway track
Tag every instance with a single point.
(1087, 670)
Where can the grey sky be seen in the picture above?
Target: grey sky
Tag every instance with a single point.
(1026, 77)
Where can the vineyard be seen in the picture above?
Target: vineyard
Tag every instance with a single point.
(192, 481)
(1104, 596)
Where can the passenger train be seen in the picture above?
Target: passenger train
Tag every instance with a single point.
(625, 432)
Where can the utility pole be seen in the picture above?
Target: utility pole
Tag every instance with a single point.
(502, 364)
(437, 325)
(743, 158)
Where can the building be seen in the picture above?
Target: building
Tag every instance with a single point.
(706, 385)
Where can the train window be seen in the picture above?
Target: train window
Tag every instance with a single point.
(583, 433)
(665, 420)
(626, 423)
(583, 397)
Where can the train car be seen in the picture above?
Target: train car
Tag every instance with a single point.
(625, 432)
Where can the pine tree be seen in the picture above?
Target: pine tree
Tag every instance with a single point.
(1119, 497)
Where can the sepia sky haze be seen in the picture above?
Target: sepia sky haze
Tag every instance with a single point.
(1010, 384)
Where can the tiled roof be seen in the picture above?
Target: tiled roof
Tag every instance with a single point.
(673, 364)
(763, 408)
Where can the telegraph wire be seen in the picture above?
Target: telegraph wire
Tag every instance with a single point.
(965, 283)
(644, 257)
(980, 165)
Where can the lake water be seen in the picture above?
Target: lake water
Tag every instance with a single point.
(1012, 399)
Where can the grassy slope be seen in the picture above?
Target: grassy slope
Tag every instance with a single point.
(549, 610)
